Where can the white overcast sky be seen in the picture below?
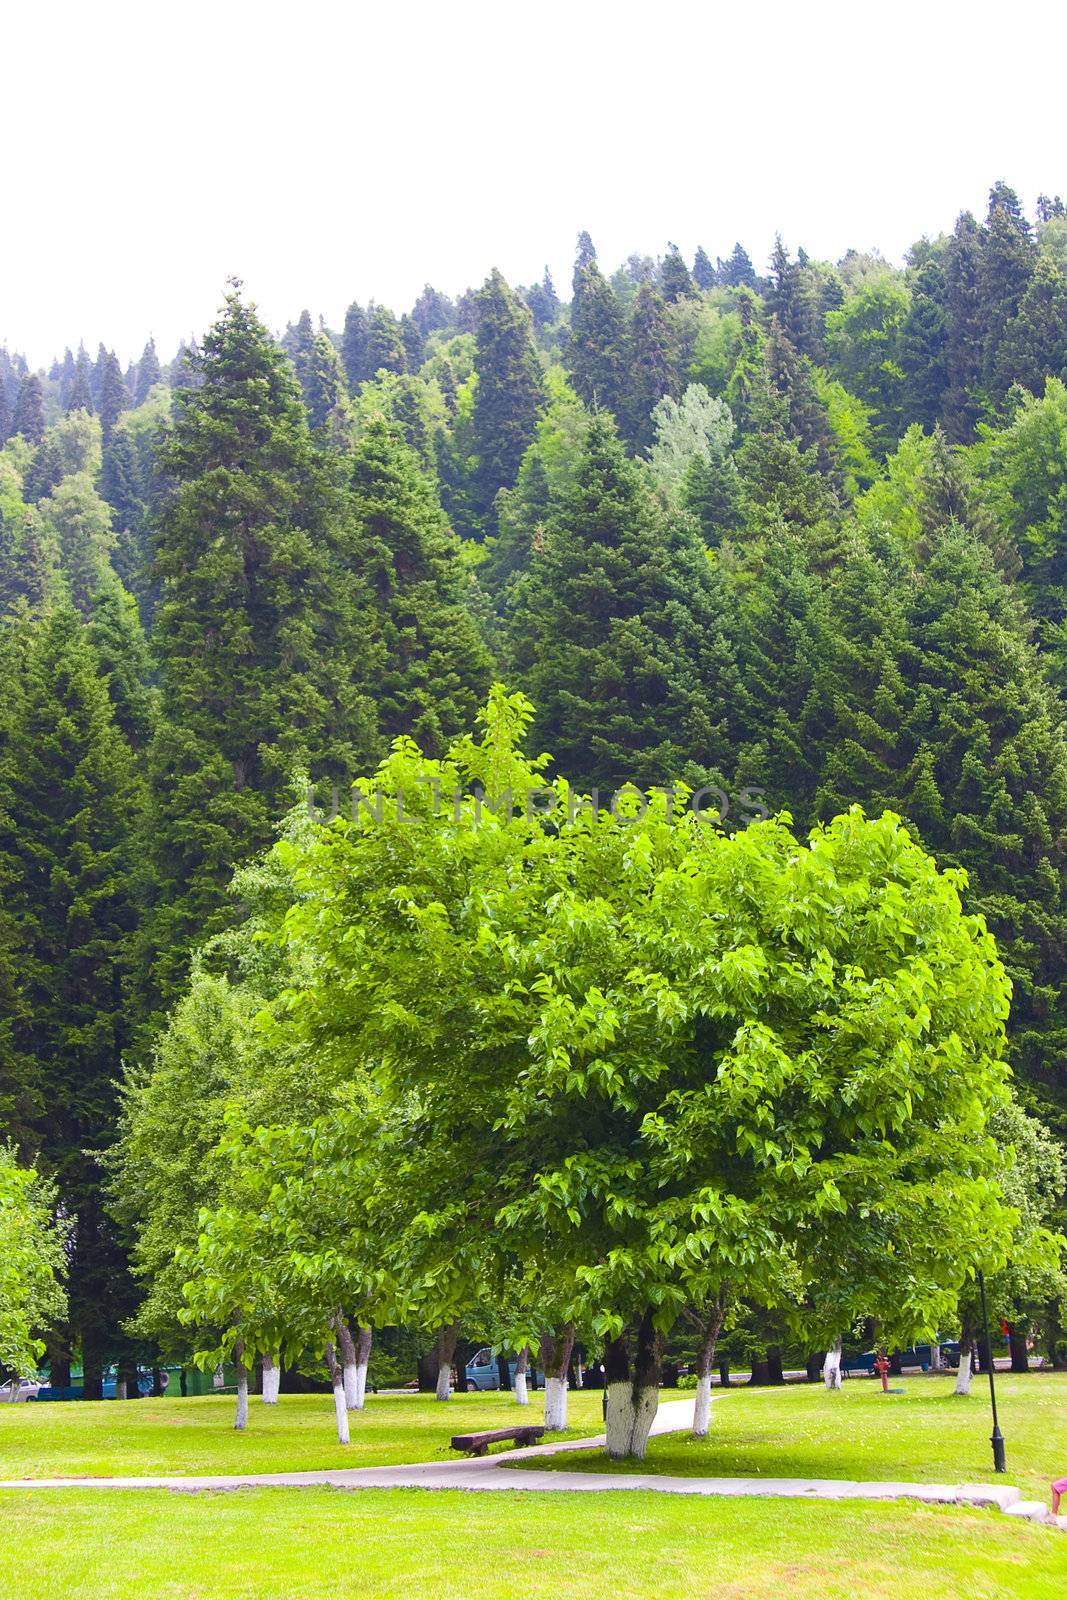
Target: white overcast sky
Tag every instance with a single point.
(331, 152)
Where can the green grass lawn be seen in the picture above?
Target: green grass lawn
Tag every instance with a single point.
(321, 1544)
(132, 1438)
(927, 1434)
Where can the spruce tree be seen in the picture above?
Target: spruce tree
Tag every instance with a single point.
(1034, 346)
(113, 398)
(596, 350)
(703, 271)
(674, 280)
(509, 396)
(738, 272)
(618, 634)
(123, 661)
(6, 413)
(385, 347)
(923, 347)
(652, 371)
(79, 521)
(543, 301)
(963, 329)
(80, 397)
(29, 409)
(413, 343)
(1008, 259)
(240, 551)
(69, 814)
(149, 373)
(419, 646)
(354, 351)
(325, 391)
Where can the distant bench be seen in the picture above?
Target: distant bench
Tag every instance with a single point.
(477, 1444)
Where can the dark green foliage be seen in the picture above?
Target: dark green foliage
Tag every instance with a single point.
(29, 409)
(509, 396)
(240, 554)
(354, 347)
(113, 399)
(737, 272)
(652, 373)
(543, 301)
(325, 390)
(521, 519)
(420, 649)
(385, 347)
(431, 311)
(618, 634)
(596, 350)
(70, 801)
(1034, 346)
(963, 328)
(1008, 259)
(923, 358)
(674, 280)
(703, 271)
(29, 564)
(149, 373)
(412, 340)
(80, 396)
(6, 413)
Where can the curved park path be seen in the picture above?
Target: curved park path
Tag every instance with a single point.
(498, 1472)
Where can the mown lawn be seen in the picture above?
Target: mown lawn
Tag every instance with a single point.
(318, 1544)
(927, 1434)
(132, 1438)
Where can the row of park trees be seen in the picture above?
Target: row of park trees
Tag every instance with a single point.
(484, 1053)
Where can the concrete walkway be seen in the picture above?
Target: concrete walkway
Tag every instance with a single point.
(495, 1472)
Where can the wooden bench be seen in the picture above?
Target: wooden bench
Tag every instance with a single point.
(477, 1444)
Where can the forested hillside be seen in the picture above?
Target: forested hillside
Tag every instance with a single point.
(795, 532)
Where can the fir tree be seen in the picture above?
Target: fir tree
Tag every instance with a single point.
(509, 395)
(80, 397)
(652, 373)
(123, 661)
(354, 347)
(6, 413)
(70, 807)
(618, 634)
(385, 347)
(431, 311)
(421, 650)
(239, 552)
(737, 272)
(1008, 259)
(325, 391)
(149, 373)
(674, 280)
(543, 301)
(412, 341)
(963, 329)
(1034, 346)
(923, 347)
(29, 409)
(80, 523)
(113, 398)
(703, 271)
(596, 350)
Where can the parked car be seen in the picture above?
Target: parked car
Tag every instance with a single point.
(16, 1389)
(483, 1373)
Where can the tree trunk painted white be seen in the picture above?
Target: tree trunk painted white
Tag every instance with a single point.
(521, 1397)
(555, 1359)
(446, 1349)
(346, 1351)
(831, 1372)
(339, 1406)
(272, 1377)
(630, 1414)
(963, 1376)
(555, 1404)
(936, 1364)
(363, 1346)
(242, 1387)
(702, 1406)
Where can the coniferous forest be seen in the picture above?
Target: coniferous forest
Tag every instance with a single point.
(793, 532)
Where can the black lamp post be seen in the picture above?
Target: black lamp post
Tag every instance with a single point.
(997, 1438)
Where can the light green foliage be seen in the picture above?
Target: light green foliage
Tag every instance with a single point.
(697, 427)
(32, 1263)
(863, 338)
(850, 424)
(79, 521)
(892, 503)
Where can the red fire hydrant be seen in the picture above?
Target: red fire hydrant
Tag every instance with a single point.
(881, 1366)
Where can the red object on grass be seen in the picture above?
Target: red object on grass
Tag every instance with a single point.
(1058, 1488)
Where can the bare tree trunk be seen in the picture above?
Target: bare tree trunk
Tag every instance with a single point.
(831, 1372)
(521, 1397)
(363, 1349)
(555, 1359)
(337, 1379)
(272, 1377)
(632, 1391)
(446, 1346)
(242, 1385)
(346, 1350)
(1020, 1356)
